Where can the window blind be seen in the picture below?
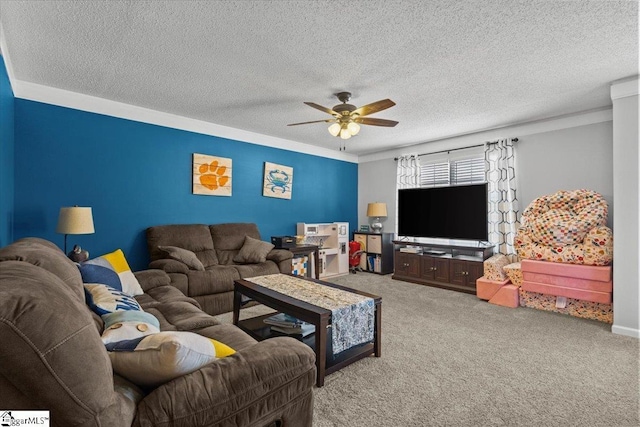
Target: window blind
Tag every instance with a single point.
(434, 174)
(452, 172)
(467, 171)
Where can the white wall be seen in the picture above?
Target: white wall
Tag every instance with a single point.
(567, 159)
(377, 183)
(626, 181)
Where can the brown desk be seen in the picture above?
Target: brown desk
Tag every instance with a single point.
(308, 250)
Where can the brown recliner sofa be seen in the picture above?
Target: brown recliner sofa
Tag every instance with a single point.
(215, 246)
(52, 356)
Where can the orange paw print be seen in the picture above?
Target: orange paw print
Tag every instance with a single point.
(212, 176)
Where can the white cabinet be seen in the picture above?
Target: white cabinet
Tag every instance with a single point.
(333, 241)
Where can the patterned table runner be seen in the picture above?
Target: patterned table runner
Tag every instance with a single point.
(352, 315)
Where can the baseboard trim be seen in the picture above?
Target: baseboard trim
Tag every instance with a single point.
(623, 330)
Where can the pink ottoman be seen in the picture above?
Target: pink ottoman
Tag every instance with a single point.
(507, 296)
(486, 289)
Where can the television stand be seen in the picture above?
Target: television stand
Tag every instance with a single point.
(448, 264)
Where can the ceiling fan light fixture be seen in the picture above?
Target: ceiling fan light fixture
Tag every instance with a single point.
(334, 129)
(344, 133)
(346, 118)
(353, 128)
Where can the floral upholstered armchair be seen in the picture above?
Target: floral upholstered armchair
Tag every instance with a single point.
(569, 227)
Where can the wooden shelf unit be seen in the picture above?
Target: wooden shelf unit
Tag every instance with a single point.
(456, 265)
(379, 248)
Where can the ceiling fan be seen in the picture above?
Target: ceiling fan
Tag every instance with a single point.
(347, 118)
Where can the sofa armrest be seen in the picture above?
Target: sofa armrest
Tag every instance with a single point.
(169, 266)
(153, 278)
(278, 255)
(282, 258)
(270, 380)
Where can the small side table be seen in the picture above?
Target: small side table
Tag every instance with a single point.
(312, 250)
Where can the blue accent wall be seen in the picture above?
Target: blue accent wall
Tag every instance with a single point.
(135, 175)
(7, 145)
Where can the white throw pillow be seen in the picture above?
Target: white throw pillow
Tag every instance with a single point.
(156, 359)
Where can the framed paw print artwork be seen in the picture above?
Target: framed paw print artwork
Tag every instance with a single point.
(211, 175)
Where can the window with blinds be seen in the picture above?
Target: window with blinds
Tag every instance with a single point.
(434, 174)
(468, 171)
(452, 172)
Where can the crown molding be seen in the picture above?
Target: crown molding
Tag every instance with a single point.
(511, 131)
(92, 104)
(624, 88)
(78, 101)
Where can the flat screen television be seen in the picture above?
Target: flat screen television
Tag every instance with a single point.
(457, 212)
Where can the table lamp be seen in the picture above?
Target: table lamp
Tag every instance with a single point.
(75, 220)
(376, 211)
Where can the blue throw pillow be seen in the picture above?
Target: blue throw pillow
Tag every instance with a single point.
(111, 269)
(95, 273)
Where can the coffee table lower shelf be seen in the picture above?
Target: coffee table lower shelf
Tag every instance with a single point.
(256, 327)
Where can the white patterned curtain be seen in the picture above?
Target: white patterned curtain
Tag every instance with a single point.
(408, 175)
(500, 171)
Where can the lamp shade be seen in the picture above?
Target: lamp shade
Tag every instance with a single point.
(376, 209)
(75, 220)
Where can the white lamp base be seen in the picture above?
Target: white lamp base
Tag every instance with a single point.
(376, 225)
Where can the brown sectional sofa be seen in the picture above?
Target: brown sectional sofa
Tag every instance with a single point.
(52, 356)
(215, 246)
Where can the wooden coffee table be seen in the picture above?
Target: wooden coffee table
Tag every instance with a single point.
(318, 316)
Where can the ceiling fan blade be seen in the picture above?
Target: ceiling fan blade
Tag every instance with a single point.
(325, 109)
(365, 110)
(375, 122)
(315, 121)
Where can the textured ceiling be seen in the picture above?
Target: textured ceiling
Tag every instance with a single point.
(451, 67)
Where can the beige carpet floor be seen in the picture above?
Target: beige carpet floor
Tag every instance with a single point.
(449, 359)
